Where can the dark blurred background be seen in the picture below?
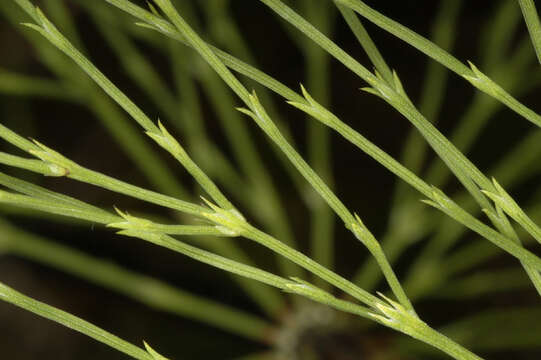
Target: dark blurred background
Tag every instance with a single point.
(366, 187)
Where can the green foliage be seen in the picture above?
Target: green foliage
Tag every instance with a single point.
(243, 184)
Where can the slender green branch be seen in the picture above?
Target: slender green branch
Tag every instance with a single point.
(87, 94)
(397, 98)
(141, 70)
(158, 24)
(258, 113)
(92, 214)
(450, 208)
(51, 33)
(295, 286)
(351, 222)
(245, 151)
(311, 31)
(435, 81)
(61, 166)
(323, 115)
(169, 143)
(34, 165)
(465, 171)
(534, 26)
(503, 200)
(367, 43)
(395, 317)
(138, 287)
(9, 295)
(35, 191)
(322, 222)
(519, 332)
(471, 73)
(408, 222)
(230, 61)
(510, 169)
(229, 221)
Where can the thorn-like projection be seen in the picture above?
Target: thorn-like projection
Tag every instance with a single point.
(394, 315)
(381, 88)
(258, 113)
(153, 353)
(502, 199)
(153, 9)
(131, 222)
(483, 82)
(230, 222)
(166, 140)
(315, 109)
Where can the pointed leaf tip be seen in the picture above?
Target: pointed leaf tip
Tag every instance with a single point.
(153, 352)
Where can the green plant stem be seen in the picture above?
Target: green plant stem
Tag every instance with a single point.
(158, 24)
(467, 257)
(300, 288)
(145, 230)
(367, 43)
(506, 203)
(445, 344)
(267, 300)
(92, 214)
(473, 121)
(465, 171)
(64, 167)
(360, 70)
(447, 206)
(251, 164)
(511, 169)
(206, 153)
(140, 69)
(53, 35)
(138, 287)
(534, 26)
(520, 333)
(462, 216)
(261, 118)
(226, 31)
(433, 91)
(430, 49)
(170, 144)
(34, 165)
(451, 156)
(234, 63)
(87, 94)
(403, 229)
(36, 191)
(395, 317)
(309, 264)
(9, 295)
(230, 61)
(319, 141)
(204, 150)
(245, 151)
